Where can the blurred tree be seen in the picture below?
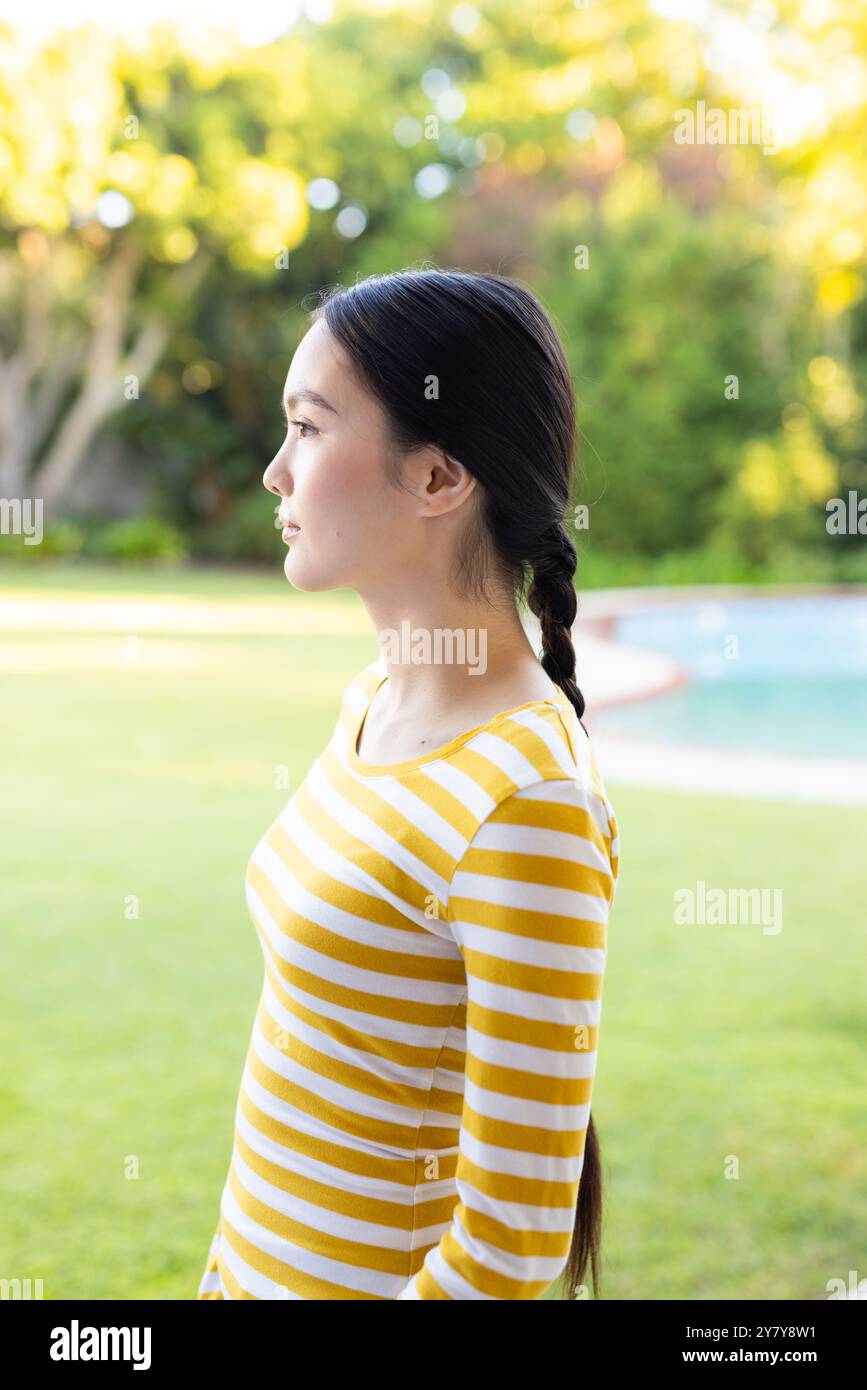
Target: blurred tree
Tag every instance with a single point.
(169, 201)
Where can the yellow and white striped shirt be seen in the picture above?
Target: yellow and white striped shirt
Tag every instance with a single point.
(414, 1104)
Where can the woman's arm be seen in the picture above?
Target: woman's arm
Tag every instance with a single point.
(528, 906)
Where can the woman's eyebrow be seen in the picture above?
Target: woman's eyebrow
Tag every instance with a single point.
(305, 394)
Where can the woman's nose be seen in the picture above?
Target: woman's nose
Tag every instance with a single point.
(274, 478)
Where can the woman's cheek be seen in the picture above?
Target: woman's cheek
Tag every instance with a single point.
(340, 497)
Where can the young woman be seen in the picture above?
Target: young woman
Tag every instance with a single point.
(432, 904)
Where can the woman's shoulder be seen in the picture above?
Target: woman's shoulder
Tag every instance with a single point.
(566, 776)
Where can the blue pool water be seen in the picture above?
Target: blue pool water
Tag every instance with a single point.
(784, 674)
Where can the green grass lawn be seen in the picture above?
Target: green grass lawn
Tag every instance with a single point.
(153, 774)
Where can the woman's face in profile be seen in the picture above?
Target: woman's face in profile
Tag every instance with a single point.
(330, 473)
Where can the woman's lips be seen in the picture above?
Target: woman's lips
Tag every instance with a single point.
(290, 532)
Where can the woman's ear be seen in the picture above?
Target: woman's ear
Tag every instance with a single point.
(440, 482)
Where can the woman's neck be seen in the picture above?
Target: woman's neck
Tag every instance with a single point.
(454, 654)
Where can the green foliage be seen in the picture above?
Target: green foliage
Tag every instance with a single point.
(145, 538)
(721, 561)
(664, 314)
(247, 532)
(60, 539)
(705, 263)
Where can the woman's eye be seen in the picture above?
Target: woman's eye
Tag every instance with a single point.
(303, 425)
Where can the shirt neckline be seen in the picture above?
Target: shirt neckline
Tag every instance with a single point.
(410, 764)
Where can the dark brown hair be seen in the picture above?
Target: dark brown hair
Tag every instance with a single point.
(472, 363)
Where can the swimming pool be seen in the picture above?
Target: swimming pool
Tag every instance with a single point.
(784, 674)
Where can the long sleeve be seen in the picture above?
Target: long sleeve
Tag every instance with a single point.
(528, 907)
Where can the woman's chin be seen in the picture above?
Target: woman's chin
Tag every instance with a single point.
(291, 570)
(301, 577)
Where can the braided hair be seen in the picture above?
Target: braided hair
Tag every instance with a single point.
(552, 598)
(504, 405)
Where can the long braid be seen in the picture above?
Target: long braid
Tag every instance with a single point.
(552, 598)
